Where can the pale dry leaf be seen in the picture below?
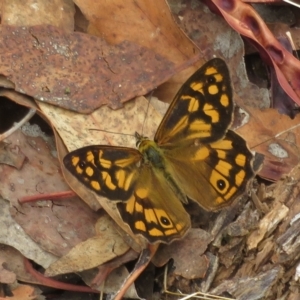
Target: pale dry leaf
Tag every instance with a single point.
(6, 275)
(75, 130)
(58, 13)
(12, 234)
(93, 252)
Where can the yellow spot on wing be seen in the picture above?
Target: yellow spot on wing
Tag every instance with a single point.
(215, 117)
(185, 97)
(201, 154)
(193, 105)
(240, 160)
(239, 177)
(95, 185)
(170, 231)
(75, 160)
(89, 171)
(213, 89)
(224, 100)
(150, 216)
(193, 102)
(221, 154)
(218, 77)
(90, 157)
(223, 167)
(105, 163)
(197, 86)
(123, 163)
(178, 226)
(138, 207)
(230, 193)
(141, 193)
(78, 170)
(220, 200)
(207, 107)
(120, 175)
(140, 225)
(181, 124)
(130, 205)
(128, 181)
(197, 135)
(155, 232)
(199, 125)
(210, 71)
(222, 144)
(107, 178)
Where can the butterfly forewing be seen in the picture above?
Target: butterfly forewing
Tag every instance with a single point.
(111, 172)
(201, 109)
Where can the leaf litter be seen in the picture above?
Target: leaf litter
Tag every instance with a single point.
(259, 121)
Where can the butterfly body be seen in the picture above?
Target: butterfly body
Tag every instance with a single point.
(151, 153)
(155, 156)
(193, 156)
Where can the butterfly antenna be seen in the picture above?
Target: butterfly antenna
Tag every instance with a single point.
(107, 131)
(149, 97)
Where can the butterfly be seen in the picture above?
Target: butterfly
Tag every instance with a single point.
(194, 156)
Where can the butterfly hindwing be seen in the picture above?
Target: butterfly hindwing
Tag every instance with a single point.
(201, 109)
(153, 210)
(213, 174)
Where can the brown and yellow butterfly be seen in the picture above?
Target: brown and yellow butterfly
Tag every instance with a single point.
(193, 156)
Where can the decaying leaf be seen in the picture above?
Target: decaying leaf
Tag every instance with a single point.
(77, 71)
(190, 262)
(22, 292)
(255, 251)
(93, 252)
(243, 18)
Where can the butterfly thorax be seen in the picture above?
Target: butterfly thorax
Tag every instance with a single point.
(151, 153)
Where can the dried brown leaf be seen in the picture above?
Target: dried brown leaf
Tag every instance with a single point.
(243, 18)
(78, 71)
(276, 137)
